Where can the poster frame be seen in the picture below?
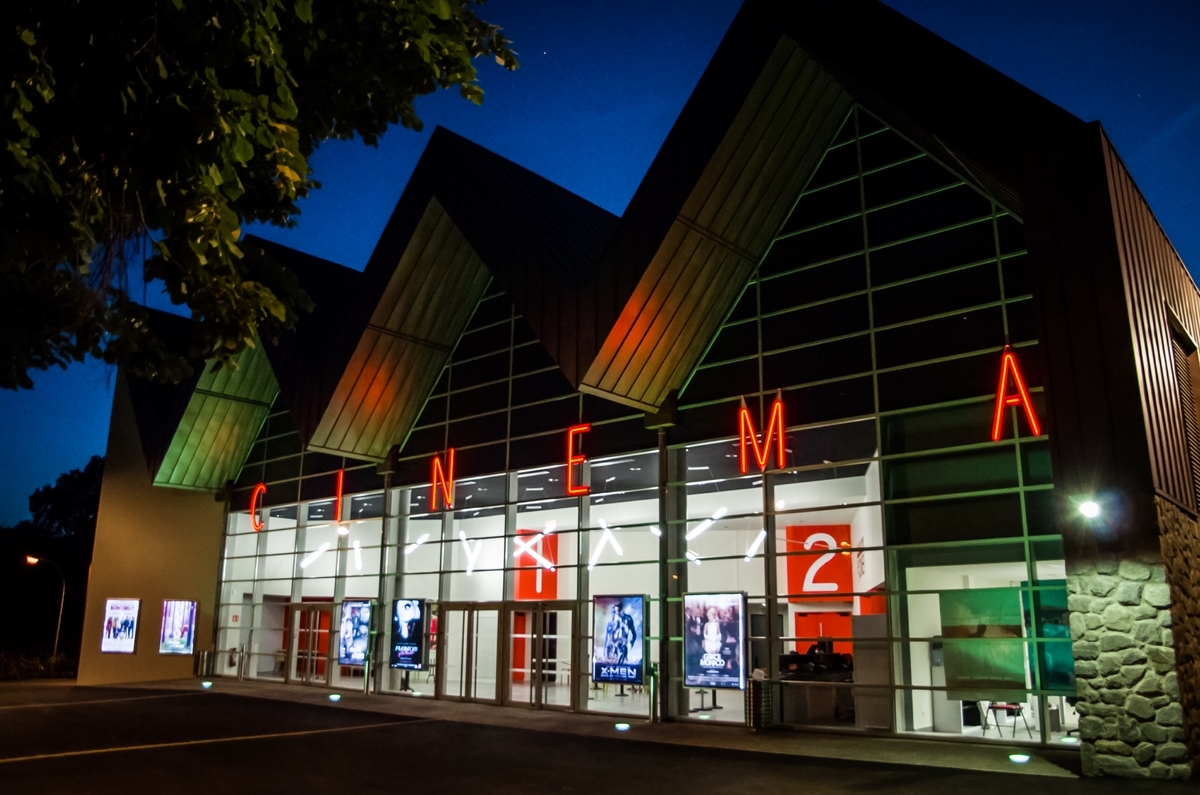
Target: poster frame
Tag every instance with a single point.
(137, 617)
(645, 644)
(742, 640)
(195, 603)
(425, 639)
(341, 617)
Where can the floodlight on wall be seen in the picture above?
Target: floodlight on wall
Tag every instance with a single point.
(312, 556)
(1090, 509)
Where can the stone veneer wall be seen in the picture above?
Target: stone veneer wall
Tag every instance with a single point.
(1130, 716)
(1180, 539)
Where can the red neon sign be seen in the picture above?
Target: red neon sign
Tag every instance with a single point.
(573, 459)
(255, 522)
(444, 478)
(1009, 368)
(774, 428)
(337, 505)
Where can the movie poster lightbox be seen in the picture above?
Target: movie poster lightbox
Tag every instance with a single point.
(178, 632)
(618, 639)
(119, 635)
(354, 639)
(410, 617)
(714, 640)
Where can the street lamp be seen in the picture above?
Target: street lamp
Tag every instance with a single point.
(33, 561)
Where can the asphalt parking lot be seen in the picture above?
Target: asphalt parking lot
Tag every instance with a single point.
(66, 739)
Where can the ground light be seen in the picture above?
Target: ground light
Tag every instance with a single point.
(622, 727)
(206, 684)
(704, 717)
(335, 697)
(1019, 759)
(1090, 509)
(1071, 740)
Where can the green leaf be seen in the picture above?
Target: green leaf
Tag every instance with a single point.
(243, 150)
(304, 10)
(28, 37)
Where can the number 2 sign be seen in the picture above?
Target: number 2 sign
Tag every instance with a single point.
(816, 576)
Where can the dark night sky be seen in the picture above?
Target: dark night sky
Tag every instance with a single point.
(599, 87)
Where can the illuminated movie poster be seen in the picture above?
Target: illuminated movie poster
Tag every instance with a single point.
(178, 633)
(408, 634)
(714, 636)
(355, 635)
(120, 626)
(618, 639)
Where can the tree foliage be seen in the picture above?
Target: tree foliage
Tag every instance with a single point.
(150, 131)
(63, 530)
(69, 507)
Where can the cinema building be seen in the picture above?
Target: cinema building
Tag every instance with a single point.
(885, 342)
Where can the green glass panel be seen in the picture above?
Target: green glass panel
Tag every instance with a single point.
(977, 470)
(1035, 463)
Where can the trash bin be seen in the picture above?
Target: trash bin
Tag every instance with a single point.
(759, 709)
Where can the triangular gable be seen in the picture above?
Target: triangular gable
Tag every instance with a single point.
(723, 228)
(467, 216)
(406, 343)
(223, 416)
(196, 434)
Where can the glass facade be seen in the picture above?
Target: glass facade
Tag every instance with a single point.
(903, 572)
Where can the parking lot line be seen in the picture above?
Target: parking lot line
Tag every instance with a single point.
(209, 741)
(97, 701)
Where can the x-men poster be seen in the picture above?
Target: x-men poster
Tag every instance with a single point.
(714, 636)
(618, 639)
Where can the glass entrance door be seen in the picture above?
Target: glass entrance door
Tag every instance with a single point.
(467, 640)
(308, 647)
(539, 659)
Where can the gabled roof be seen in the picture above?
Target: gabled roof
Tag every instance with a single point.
(467, 216)
(196, 434)
(626, 307)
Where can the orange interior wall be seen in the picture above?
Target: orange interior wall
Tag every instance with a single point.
(824, 625)
(526, 586)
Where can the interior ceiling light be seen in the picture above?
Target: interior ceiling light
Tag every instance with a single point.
(472, 554)
(606, 538)
(357, 555)
(707, 523)
(526, 547)
(321, 550)
(408, 550)
(758, 542)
